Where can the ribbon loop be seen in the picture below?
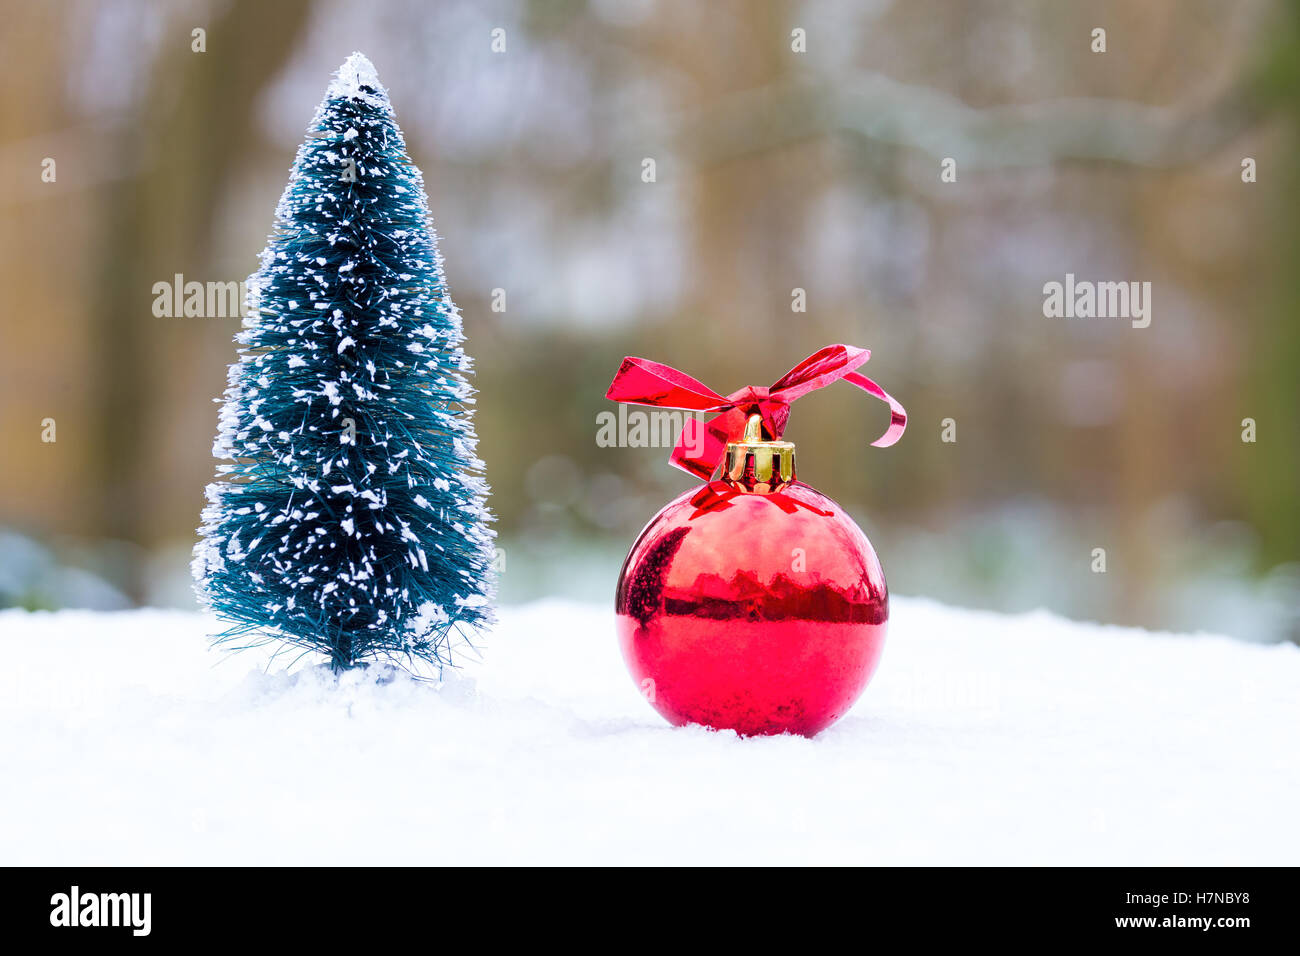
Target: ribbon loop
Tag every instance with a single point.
(701, 445)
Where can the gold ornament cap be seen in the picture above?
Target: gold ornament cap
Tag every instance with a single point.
(758, 464)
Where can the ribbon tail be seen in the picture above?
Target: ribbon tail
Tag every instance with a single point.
(897, 414)
(702, 444)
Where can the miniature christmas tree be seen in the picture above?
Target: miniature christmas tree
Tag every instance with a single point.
(351, 519)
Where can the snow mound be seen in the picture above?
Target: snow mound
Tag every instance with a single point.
(983, 739)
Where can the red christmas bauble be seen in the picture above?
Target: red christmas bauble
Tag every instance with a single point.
(753, 604)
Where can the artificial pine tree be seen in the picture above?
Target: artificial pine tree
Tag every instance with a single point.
(351, 519)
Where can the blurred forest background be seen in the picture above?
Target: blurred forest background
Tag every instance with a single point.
(775, 170)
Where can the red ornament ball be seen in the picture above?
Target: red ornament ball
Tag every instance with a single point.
(758, 611)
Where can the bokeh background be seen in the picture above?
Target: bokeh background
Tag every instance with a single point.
(775, 170)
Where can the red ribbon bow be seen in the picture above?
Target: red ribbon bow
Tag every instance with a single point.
(642, 382)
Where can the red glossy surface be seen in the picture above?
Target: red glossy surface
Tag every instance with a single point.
(759, 613)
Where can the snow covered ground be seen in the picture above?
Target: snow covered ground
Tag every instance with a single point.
(983, 739)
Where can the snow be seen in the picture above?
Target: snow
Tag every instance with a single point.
(983, 739)
(357, 78)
